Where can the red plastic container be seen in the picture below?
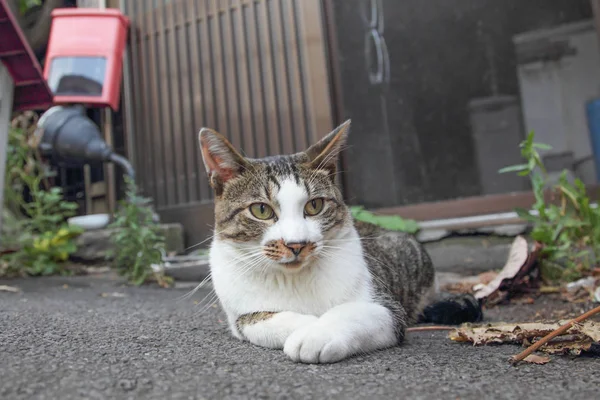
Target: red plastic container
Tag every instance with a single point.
(84, 59)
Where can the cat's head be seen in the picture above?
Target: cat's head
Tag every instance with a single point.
(285, 207)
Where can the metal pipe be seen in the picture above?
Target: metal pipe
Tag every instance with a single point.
(124, 164)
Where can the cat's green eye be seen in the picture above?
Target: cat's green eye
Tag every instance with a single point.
(262, 211)
(313, 207)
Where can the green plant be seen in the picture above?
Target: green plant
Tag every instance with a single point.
(138, 243)
(34, 228)
(25, 5)
(565, 222)
(391, 222)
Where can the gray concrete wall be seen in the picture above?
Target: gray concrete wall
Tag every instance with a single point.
(6, 100)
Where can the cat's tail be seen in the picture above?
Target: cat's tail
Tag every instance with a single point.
(449, 309)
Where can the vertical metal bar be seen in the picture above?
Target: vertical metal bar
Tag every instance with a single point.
(243, 73)
(294, 74)
(87, 184)
(201, 107)
(169, 169)
(266, 53)
(228, 58)
(144, 95)
(109, 168)
(276, 38)
(128, 109)
(255, 88)
(245, 124)
(156, 125)
(208, 71)
(134, 100)
(174, 78)
(219, 88)
(299, 46)
(188, 85)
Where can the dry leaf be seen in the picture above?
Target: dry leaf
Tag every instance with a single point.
(518, 333)
(517, 258)
(535, 359)
(487, 277)
(12, 289)
(573, 348)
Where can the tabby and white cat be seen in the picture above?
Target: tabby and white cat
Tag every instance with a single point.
(291, 268)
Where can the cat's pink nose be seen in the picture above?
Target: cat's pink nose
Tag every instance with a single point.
(296, 247)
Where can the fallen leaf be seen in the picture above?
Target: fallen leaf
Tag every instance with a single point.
(65, 286)
(517, 258)
(12, 289)
(535, 359)
(487, 277)
(113, 294)
(573, 348)
(518, 333)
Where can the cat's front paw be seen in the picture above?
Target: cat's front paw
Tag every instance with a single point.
(317, 343)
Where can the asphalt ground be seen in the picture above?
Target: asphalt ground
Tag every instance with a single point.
(94, 338)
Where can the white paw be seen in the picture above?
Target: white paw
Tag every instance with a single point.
(317, 343)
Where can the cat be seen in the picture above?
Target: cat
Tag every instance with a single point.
(291, 268)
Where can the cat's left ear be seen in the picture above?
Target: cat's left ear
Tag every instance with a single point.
(325, 153)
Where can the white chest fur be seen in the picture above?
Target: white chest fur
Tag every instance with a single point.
(339, 276)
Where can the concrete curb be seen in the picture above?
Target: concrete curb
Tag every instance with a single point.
(187, 269)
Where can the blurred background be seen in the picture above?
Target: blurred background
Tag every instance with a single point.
(440, 94)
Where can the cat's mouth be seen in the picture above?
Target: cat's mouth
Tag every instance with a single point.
(294, 264)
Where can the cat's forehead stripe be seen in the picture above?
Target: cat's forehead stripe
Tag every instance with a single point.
(281, 167)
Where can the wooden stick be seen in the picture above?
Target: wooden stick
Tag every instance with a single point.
(552, 335)
(430, 328)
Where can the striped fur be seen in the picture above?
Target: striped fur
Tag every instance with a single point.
(321, 287)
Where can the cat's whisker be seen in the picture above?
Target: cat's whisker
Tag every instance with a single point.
(344, 240)
(213, 298)
(209, 276)
(204, 241)
(189, 294)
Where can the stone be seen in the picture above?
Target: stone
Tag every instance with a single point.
(93, 246)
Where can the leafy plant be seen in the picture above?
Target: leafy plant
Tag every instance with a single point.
(36, 228)
(25, 5)
(138, 243)
(391, 222)
(567, 225)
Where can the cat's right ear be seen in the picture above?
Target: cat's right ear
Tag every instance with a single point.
(221, 160)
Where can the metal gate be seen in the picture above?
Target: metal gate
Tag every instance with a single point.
(255, 70)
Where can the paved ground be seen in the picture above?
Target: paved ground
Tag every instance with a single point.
(61, 339)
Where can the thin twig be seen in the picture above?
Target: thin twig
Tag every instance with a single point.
(552, 335)
(430, 328)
